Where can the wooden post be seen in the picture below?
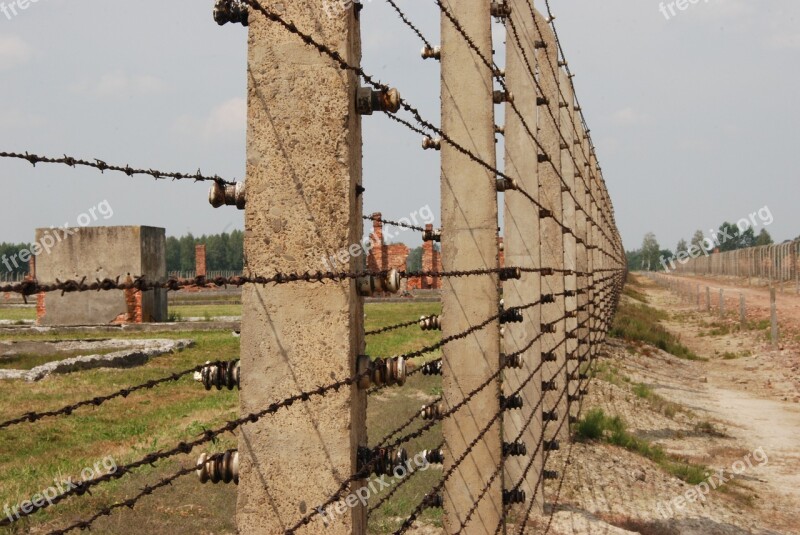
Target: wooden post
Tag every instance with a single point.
(708, 299)
(721, 304)
(469, 241)
(303, 166)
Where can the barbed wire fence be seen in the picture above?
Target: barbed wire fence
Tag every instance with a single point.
(518, 338)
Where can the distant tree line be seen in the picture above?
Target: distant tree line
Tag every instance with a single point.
(651, 257)
(9, 254)
(224, 252)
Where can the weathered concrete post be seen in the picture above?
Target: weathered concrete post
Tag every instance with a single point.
(708, 299)
(742, 315)
(551, 234)
(570, 220)
(522, 249)
(469, 241)
(721, 304)
(773, 316)
(698, 297)
(303, 165)
(583, 267)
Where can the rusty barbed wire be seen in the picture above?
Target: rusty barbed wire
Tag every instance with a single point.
(102, 166)
(411, 373)
(410, 520)
(130, 503)
(393, 223)
(403, 426)
(33, 287)
(392, 327)
(408, 23)
(99, 400)
(560, 133)
(396, 487)
(494, 70)
(84, 487)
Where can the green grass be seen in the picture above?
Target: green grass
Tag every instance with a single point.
(597, 426)
(31, 455)
(28, 361)
(207, 312)
(17, 313)
(640, 323)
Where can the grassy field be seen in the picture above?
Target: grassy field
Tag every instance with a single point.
(17, 313)
(179, 312)
(33, 455)
(638, 322)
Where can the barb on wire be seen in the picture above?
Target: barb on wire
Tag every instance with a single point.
(99, 400)
(410, 520)
(415, 371)
(392, 327)
(410, 24)
(33, 287)
(84, 487)
(397, 487)
(102, 166)
(393, 223)
(130, 503)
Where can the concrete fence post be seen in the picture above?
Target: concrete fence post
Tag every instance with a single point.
(773, 315)
(570, 215)
(551, 235)
(303, 166)
(708, 299)
(469, 241)
(721, 303)
(522, 249)
(742, 311)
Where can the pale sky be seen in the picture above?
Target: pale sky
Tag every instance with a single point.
(694, 117)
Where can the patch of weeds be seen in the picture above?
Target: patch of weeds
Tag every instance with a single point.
(174, 317)
(596, 425)
(641, 323)
(730, 355)
(707, 428)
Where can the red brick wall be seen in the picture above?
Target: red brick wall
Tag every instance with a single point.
(431, 261)
(40, 308)
(200, 260)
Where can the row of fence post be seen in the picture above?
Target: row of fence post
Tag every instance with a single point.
(303, 172)
(777, 263)
(691, 292)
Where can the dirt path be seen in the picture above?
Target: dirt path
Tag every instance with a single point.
(756, 297)
(756, 396)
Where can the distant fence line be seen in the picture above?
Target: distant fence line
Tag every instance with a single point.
(778, 263)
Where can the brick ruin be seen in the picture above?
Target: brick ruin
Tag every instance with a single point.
(200, 260)
(395, 256)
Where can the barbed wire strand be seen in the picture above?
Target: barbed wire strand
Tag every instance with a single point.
(102, 166)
